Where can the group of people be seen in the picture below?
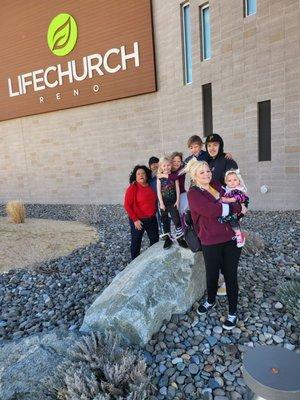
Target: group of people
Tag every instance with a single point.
(216, 199)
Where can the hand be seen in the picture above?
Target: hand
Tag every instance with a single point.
(228, 156)
(228, 200)
(162, 207)
(138, 225)
(177, 205)
(244, 209)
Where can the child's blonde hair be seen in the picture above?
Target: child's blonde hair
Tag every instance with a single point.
(163, 160)
(236, 172)
(192, 167)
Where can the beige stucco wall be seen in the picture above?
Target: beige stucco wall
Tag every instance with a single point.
(84, 154)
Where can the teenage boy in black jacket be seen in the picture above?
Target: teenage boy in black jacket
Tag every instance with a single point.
(218, 163)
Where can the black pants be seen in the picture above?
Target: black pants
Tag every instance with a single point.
(151, 227)
(226, 255)
(165, 220)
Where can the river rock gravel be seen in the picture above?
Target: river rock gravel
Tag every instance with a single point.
(57, 292)
(201, 342)
(191, 357)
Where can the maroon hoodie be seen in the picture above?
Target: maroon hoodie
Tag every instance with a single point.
(205, 210)
(181, 178)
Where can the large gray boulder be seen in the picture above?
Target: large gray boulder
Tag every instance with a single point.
(28, 366)
(154, 286)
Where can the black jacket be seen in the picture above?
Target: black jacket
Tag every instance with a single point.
(219, 166)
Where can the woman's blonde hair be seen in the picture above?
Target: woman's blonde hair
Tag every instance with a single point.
(163, 160)
(193, 166)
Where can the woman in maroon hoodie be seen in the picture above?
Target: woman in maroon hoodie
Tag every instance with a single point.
(141, 206)
(219, 247)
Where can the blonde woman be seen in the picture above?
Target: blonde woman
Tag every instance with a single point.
(218, 243)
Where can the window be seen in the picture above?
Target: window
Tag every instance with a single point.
(205, 32)
(187, 43)
(264, 131)
(207, 109)
(250, 7)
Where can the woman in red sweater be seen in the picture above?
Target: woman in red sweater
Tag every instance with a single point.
(141, 206)
(218, 243)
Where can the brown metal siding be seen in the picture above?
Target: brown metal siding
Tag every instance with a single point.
(102, 25)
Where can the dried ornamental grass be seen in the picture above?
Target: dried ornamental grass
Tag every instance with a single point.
(289, 294)
(103, 370)
(16, 211)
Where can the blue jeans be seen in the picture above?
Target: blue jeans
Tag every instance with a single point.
(150, 226)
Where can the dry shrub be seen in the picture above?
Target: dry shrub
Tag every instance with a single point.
(88, 214)
(289, 294)
(103, 370)
(16, 211)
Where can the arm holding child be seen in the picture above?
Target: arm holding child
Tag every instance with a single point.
(235, 196)
(228, 199)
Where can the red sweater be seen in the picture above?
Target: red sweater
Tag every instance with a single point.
(140, 201)
(205, 210)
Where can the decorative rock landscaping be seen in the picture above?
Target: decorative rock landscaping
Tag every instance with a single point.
(189, 357)
(154, 286)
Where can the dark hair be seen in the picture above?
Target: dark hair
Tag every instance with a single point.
(215, 138)
(153, 160)
(177, 154)
(195, 139)
(132, 176)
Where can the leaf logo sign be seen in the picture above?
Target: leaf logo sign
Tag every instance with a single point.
(62, 34)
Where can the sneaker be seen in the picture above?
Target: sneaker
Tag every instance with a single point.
(222, 290)
(181, 241)
(205, 307)
(168, 243)
(240, 240)
(230, 322)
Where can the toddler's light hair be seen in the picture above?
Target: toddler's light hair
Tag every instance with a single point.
(236, 172)
(163, 160)
(192, 167)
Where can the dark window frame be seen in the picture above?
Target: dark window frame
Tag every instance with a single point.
(264, 130)
(207, 109)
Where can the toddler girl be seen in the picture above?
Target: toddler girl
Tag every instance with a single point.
(168, 193)
(235, 191)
